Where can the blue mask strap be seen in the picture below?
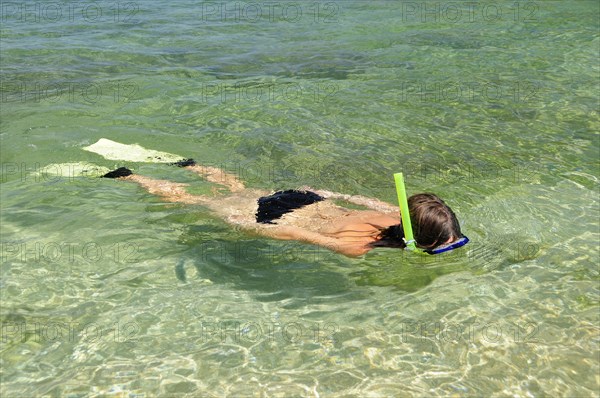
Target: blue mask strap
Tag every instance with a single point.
(446, 248)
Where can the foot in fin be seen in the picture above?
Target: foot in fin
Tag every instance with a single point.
(120, 172)
(184, 163)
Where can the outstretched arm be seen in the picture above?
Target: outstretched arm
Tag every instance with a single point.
(285, 232)
(371, 203)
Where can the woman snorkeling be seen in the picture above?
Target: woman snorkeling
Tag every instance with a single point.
(311, 216)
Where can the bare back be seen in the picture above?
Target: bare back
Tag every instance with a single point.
(347, 227)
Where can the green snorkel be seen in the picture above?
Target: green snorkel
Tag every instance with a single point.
(404, 213)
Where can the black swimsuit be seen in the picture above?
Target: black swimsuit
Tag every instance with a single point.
(276, 205)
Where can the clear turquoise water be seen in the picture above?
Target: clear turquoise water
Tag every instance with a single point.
(106, 291)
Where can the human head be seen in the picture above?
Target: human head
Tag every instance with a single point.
(433, 223)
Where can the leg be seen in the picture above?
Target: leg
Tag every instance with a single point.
(167, 190)
(213, 174)
(218, 176)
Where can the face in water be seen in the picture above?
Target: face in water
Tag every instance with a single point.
(436, 228)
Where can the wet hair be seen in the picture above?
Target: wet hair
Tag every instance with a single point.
(433, 223)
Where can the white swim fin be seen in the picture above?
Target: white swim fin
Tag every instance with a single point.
(132, 153)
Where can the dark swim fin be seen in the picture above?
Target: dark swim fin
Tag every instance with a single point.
(120, 172)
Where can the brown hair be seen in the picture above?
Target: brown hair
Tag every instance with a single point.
(433, 223)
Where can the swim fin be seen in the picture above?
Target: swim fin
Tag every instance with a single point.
(132, 153)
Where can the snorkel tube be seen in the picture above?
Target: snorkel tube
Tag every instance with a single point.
(404, 213)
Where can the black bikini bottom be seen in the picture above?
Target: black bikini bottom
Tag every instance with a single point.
(274, 206)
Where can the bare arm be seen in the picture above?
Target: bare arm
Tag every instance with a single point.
(285, 232)
(371, 203)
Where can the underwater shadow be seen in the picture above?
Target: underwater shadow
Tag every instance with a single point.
(276, 270)
(273, 270)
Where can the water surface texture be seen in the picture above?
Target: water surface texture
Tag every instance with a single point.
(108, 292)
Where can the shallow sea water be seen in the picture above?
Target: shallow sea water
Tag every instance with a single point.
(108, 292)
